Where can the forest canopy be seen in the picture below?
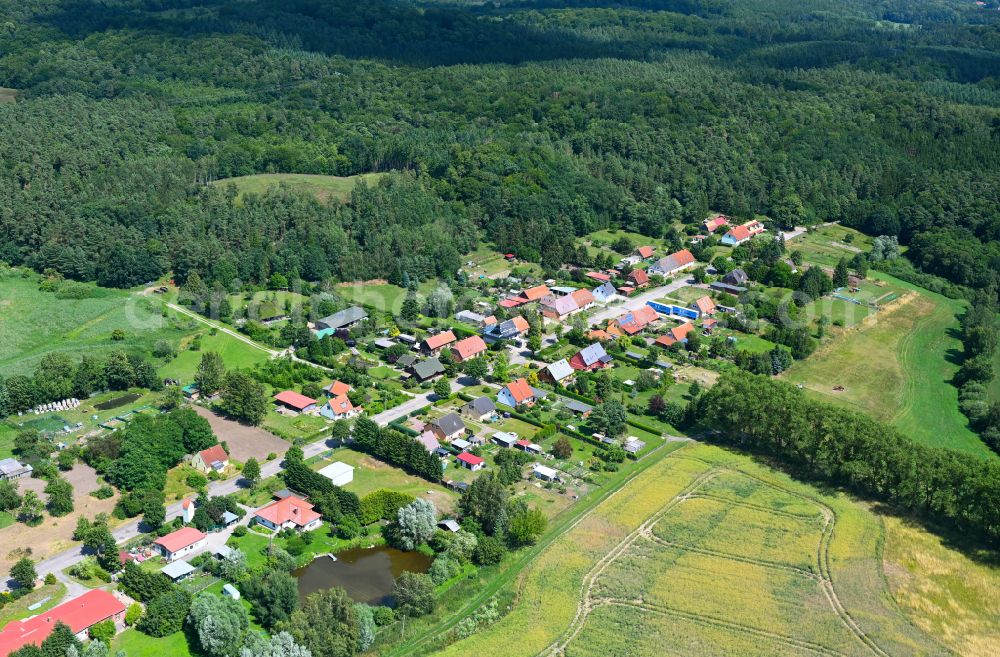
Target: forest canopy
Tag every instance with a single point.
(523, 124)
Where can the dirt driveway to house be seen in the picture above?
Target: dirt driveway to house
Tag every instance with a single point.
(244, 441)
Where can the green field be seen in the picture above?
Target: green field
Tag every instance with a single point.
(898, 368)
(707, 553)
(235, 353)
(371, 474)
(380, 296)
(34, 323)
(828, 244)
(7, 95)
(324, 187)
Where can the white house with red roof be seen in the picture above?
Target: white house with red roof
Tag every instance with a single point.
(79, 614)
(471, 461)
(516, 393)
(340, 408)
(180, 543)
(295, 402)
(291, 512)
(716, 222)
(739, 234)
(213, 459)
(705, 306)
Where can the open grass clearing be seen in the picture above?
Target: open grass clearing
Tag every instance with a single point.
(48, 595)
(235, 353)
(826, 245)
(34, 323)
(137, 644)
(898, 367)
(8, 95)
(325, 188)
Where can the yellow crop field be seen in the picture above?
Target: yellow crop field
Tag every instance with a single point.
(708, 553)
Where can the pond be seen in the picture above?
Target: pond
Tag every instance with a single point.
(117, 401)
(367, 574)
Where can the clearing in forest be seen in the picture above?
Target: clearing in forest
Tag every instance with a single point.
(708, 553)
(324, 187)
(7, 95)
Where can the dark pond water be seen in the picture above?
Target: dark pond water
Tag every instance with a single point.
(367, 574)
(117, 401)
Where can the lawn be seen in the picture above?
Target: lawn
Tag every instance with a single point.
(898, 369)
(383, 297)
(371, 474)
(34, 323)
(744, 574)
(235, 353)
(51, 594)
(267, 304)
(325, 188)
(828, 244)
(137, 644)
(6, 519)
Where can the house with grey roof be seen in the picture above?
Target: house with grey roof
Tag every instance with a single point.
(448, 427)
(604, 293)
(428, 369)
(11, 468)
(470, 317)
(559, 371)
(479, 408)
(344, 319)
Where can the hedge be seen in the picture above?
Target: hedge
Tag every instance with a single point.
(420, 411)
(402, 428)
(572, 395)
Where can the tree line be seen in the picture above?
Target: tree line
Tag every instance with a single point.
(846, 448)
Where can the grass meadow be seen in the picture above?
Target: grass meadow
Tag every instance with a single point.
(707, 553)
(34, 323)
(324, 187)
(898, 368)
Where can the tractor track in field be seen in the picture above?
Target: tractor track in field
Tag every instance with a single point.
(587, 603)
(756, 507)
(722, 623)
(763, 563)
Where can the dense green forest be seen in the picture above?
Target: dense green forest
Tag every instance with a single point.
(521, 123)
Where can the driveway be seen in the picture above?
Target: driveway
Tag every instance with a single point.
(638, 301)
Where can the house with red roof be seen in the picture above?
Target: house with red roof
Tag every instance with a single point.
(536, 293)
(294, 401)
(471, 461)
(716, 222)
(79, 614)
(292, 512)
(516, 393)
(435, 343)
(180, 543)
(336, 389)
(673, 263)
(340, 408)
(213, 459)
(675, 335)
(644, 252)
(468, 348)
(633, 322)
(639, 277)
(584, 298)
(705, 306)
(598, 276)
(739, 234)
(512, 302)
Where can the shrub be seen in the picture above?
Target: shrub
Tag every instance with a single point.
(104, 492)
(133, 614)
(240, 531)
(383, 615)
